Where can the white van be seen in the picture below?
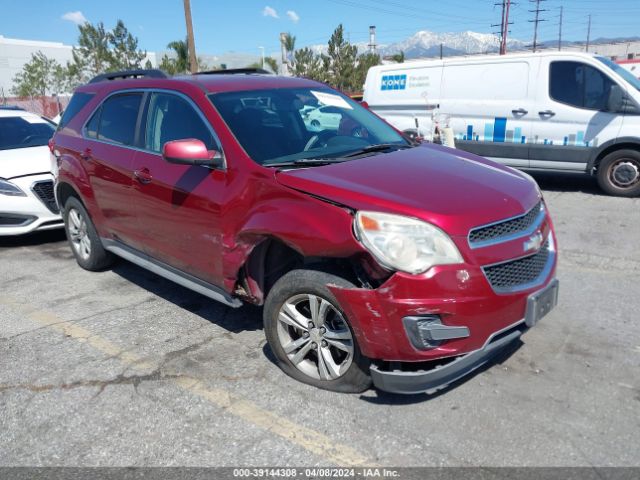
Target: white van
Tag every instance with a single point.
(551, 110)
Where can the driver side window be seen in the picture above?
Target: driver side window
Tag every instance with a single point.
(173, 118)
(579, 85)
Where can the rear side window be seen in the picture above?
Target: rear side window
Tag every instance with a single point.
(78, 101)
(579, 85)
(173, 118)
(118, 118)
(23, 132)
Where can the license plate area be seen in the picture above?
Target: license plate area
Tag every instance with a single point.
(541, 303)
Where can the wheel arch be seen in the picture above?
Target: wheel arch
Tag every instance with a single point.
(623, 143)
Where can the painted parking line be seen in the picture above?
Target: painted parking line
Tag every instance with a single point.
(309, 439)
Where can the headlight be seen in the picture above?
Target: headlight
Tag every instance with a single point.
(403, 243)
(8, 188)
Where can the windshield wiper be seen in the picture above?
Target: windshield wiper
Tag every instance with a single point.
(305, 161)
(380, 147)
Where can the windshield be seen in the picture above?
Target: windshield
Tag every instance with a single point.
(291, 124)
(25, 131)
(623, 72)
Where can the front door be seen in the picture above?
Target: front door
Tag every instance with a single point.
(178, 206)
(571, 117)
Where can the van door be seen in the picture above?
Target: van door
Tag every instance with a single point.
(570, 117)
(489, 107)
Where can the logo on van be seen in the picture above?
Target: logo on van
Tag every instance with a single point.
(393, 82)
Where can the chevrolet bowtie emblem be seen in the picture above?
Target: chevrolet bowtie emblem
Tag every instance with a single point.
(534, 242)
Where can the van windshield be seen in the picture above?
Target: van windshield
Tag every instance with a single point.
(291, 125)
(623, 72)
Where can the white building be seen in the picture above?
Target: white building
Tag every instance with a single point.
(14, 53)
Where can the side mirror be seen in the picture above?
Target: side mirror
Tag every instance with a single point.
(191, 151)
(615, 101)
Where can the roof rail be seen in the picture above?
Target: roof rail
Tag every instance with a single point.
(129, 74)
(237, 71)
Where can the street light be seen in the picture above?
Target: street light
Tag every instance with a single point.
(262, 50)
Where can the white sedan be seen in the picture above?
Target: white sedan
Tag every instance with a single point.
(27, 201)
(323, 118)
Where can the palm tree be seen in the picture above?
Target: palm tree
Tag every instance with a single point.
(181, 48)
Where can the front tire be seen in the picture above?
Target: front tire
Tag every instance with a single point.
(310, 336)
(83, 237)
(619, 173)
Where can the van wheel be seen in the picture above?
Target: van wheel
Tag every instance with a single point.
(619, 173)
(310, 336)
(83, 237)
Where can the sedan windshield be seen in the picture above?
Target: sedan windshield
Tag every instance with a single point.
(290, 125)
(25, 131)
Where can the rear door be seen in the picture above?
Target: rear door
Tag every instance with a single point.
(108, 158)
(570, 117)
(489, 106)
(178, 206)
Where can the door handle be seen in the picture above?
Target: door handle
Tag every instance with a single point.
(143, 175)
(547, 113)
(86, 154)
(520, 111)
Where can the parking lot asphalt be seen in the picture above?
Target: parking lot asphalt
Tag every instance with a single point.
(124, 368)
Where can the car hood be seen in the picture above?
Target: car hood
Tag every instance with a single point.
(19, 162)
(449, 188)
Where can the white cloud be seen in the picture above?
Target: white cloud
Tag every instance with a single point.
(293, 16)
(76, 17)
(270, 12)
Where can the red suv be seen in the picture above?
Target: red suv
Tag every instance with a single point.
(376, 260)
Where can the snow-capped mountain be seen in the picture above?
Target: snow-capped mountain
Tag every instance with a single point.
(426, 44)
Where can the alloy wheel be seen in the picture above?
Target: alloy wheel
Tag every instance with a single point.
(315, 337)
(78, 234)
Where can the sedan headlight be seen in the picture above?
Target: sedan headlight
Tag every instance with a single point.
(404, 243)
(8, 188)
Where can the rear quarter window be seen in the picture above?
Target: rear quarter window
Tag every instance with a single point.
(77, 103)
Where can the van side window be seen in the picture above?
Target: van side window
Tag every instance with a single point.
(119, 117)
(172, 118)
(579, 85)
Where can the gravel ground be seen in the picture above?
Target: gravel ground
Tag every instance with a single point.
(124, 368)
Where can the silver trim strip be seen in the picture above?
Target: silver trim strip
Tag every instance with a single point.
(513, 236)
(192, 283)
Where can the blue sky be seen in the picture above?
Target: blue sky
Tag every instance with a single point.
(243, 25)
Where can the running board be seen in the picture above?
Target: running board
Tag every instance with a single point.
(181, 278)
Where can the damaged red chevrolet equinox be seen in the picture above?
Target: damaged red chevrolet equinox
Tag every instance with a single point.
(376, 260)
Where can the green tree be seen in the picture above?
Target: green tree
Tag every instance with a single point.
(308, 64)
(365, 62)
(125, 54)
(92, 56)
(340, 61)
(179, 63)
(398, 57)
(39, 77)
(272, 63)
(289, 47)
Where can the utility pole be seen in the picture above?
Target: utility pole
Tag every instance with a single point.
(504, 25)
(588, 33)
(441, 49)
(560, 31)
(262, 52)
(536, 21)
(193, 62)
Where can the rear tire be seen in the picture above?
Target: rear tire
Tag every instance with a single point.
(310, 336)
(619, 173)
(83, 237)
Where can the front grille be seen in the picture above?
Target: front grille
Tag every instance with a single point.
(44, 191)
(506, 228)
(519, 273)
